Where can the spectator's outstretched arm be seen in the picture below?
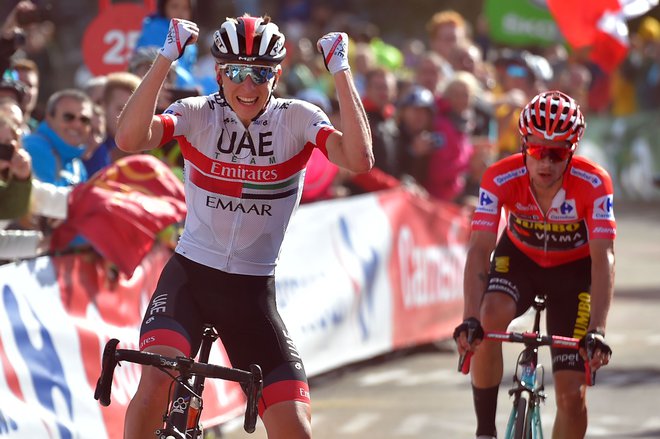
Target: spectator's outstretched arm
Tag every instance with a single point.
(138, 129)
(9, 29)
(351, 149)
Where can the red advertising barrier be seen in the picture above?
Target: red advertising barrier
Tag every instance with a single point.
(426, 267)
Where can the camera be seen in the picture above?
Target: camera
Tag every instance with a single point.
(6, 151)
(38, 15)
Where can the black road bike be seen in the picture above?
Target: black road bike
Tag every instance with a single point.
(181, 419)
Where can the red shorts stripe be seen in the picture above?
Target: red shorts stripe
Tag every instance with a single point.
(165, 337)
(290, 390)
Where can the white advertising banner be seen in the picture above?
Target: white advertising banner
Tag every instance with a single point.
(357, 277)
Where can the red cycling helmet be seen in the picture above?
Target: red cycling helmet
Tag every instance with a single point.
(248, 39)
(552, 115)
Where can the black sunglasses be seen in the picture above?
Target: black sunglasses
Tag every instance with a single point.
(70, 117)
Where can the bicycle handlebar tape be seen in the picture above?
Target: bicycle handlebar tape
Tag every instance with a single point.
(464, 362)
(108, 364)
(254, 390)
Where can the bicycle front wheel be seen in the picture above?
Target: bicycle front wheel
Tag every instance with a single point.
(534, 421)
(519, 422)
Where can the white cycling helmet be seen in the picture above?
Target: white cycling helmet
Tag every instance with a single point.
(552, 115)
(248, 39)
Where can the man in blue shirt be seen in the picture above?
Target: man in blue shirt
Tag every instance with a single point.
(59, 141)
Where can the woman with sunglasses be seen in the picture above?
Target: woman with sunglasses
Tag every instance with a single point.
(558, 240)
(245, 154)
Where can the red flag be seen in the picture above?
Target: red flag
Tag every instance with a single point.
(598, 25)
(122, 208)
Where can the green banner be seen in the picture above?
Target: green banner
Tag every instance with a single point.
(521, 23)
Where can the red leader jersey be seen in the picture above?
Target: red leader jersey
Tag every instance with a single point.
(581, 210)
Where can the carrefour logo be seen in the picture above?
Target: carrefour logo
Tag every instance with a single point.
(604, 207)
(566, 211)
(487, 202)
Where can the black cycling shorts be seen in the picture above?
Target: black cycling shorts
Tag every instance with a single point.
(566, 286)
(242, 309)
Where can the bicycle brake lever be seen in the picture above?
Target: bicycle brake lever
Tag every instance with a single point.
(590, 346)
(464, 360)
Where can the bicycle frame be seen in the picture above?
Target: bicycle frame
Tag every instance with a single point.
(526, 413)
(181, 419)
(186, 403)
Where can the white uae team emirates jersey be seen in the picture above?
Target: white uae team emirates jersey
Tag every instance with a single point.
(242, 185)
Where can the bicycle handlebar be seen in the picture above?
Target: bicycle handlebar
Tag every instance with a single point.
(112, 356)
(108, 364)
(532, 339)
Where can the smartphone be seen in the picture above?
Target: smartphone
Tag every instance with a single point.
(6, 151)
(181, 93)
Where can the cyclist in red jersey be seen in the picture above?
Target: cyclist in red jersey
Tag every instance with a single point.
(245, 152)
(558, 240)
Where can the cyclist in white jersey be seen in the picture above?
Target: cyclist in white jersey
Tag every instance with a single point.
(245, 154)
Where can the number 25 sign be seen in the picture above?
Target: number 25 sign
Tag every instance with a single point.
(110, 38)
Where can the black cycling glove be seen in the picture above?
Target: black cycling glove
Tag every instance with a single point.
(472, 328)
(595, 339)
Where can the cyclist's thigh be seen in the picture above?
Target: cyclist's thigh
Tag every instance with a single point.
(252, 331)
(568, 308)
(510, 274)
(172, 318)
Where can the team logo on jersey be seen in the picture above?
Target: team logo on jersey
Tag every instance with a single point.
(503, 178)
(487, 202)
(502, 264)
(604, 207)
(587, 176)
(549, 236)
(246, 145)
(566, 211)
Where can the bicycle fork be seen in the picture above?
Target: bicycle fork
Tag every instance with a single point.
(528, 391)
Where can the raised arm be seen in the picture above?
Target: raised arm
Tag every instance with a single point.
(351, 149)
(138, 129)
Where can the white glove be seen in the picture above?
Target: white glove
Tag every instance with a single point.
(180, 34)
(334, 48)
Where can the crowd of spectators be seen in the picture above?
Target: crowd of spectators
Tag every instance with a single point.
(441, 109)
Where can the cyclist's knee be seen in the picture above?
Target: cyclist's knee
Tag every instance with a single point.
(497, 311)
(154, 383)
(571, 402)
(288, 420)
(153, 386)
(570, 393)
